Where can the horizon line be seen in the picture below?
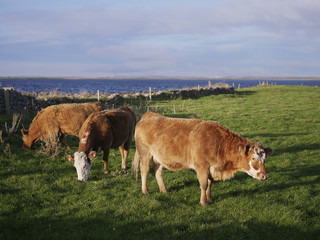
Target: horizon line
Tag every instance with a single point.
(168, 77)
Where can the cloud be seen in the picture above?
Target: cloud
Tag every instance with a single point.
(214, 38)
(285, 16)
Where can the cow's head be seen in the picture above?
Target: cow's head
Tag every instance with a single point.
(82, 163)
(29, 139)
(27, 143)
(254, 156)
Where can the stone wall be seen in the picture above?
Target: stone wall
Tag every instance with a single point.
(12, 101)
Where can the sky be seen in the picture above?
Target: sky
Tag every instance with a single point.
(167, 38)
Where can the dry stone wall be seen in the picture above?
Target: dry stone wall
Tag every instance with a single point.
(12, 101)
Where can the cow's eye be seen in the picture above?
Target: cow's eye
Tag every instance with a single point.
(254, 159)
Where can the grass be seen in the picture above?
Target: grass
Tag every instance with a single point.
(40, 197)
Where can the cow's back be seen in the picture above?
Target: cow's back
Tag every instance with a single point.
(117, 125)
(70, 117)
(168, 139)
(122, 122)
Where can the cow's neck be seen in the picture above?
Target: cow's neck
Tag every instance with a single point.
(34, 134)
(85, 147)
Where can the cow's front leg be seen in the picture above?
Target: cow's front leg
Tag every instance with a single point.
(124, 157)
(105, 160)
(202, 174)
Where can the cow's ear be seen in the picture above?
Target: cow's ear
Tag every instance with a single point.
(70, 158)
(24, 132)
(92, 155)
(243, 149)
(268, 151)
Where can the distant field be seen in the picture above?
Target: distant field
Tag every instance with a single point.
(40, 197)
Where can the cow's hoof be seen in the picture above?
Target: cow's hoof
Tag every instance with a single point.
(164, 191)
(145, 192)
(204, 203)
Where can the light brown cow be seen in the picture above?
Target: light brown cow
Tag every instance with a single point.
(106, 129)
(212, 150)
(58, 121)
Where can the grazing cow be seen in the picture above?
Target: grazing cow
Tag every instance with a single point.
(106, 129)
(58, 121)
(212, 150)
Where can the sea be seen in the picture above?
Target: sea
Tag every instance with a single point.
(132, 85)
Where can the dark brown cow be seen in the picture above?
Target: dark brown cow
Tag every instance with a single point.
(212, 150)
(106, 129)
(58, 121)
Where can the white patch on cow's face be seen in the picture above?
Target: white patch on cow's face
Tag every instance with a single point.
(254, 161)
(260, 155)
(252, 171)
(82, 165)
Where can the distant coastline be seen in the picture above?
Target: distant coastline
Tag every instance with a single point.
(118, 85)
(171, 78)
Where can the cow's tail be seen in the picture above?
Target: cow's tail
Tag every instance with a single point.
(135, 165)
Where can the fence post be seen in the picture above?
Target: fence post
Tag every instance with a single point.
(6, 101)
(98, 92)
(150, 93)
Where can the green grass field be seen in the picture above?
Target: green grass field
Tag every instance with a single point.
(40, 198)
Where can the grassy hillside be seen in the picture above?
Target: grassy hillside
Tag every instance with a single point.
(40, 197)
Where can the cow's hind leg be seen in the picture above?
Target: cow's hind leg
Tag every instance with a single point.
(124, 157)
(158, 172)
(208, 192)
(125, 151)
(202, 174)
(105, 160)
(144, 170)
(63, 139)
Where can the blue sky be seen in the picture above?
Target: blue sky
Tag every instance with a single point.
(160, 38)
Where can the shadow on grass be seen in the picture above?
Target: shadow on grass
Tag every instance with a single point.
(108, 225)
(180, 115)
(298, 148)
(274, 135)
(295, 178)
(244, 93)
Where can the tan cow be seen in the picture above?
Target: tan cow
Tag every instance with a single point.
(212, 150)
(106, 129)
(58, 121)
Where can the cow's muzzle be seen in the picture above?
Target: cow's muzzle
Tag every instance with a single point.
(264, 177)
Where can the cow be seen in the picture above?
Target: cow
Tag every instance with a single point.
(58, 121)
(209, 148)
(106, 129)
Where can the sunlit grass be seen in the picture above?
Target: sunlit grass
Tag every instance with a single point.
(40, 197)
